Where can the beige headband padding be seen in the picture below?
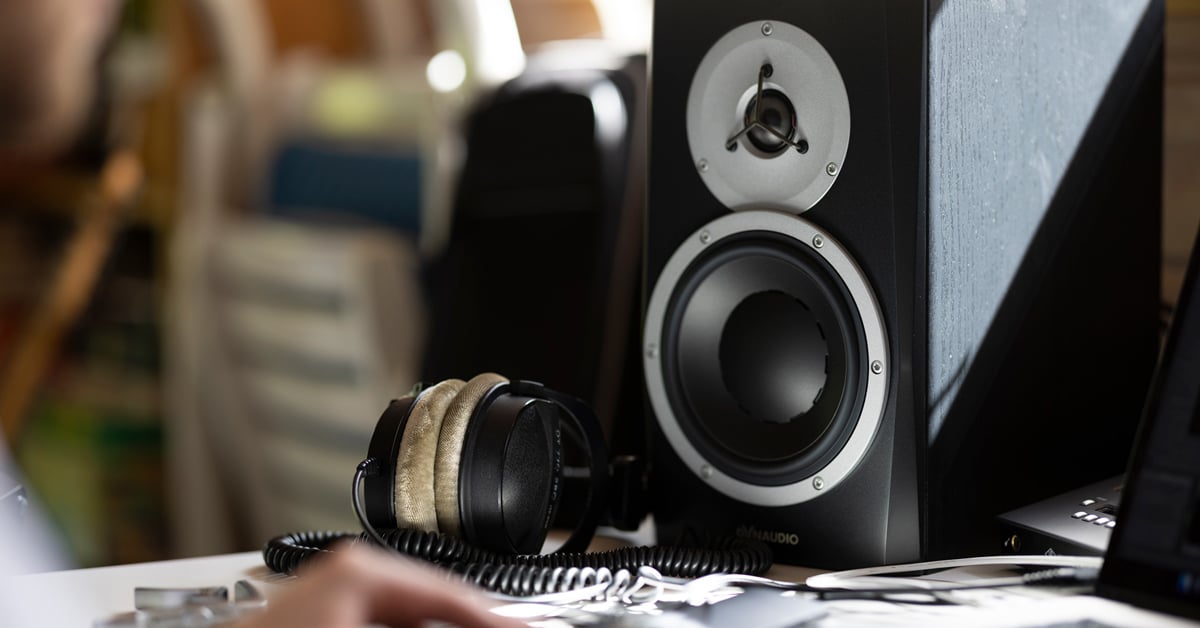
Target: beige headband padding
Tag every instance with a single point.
(418, 449)
(449, 450)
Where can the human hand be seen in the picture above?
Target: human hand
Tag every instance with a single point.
(356, 586)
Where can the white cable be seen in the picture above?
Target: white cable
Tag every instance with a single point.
(868, 578)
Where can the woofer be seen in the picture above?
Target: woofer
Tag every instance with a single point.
(765, 361)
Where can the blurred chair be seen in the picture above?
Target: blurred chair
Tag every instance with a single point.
(309, 188)
(319, 328)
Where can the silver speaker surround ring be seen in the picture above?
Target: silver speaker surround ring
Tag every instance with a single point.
(804, 234)
(724, 82)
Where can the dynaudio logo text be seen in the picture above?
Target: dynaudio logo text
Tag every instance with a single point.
(767, 536)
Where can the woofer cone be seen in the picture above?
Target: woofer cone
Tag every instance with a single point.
(765, 357)
(762, 358)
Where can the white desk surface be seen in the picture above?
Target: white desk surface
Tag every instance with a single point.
(101, 592)
(79, 597)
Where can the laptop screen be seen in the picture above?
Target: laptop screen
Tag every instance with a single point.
(1153, 558)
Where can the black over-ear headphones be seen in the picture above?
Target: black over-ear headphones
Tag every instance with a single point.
(468, 475)
(482, 461)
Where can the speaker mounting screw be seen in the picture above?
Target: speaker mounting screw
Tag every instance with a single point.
(767, 29)
(818, 241)
(705, 237)
(652, 351)
(831, 169)
(702, 165)
(818, 483)
(877, 367)
(706, 472)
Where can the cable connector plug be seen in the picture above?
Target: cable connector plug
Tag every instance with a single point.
(369, 467)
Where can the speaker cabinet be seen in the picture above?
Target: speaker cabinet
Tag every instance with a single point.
(901, 265)
(539, 277)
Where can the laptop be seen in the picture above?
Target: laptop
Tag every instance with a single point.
(1151, 570)
(1153, 557)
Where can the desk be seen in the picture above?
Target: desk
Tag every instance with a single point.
(104, 591)
(79, 597)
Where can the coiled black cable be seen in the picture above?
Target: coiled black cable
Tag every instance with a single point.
(285, 554)
(527, 580)
(519, 574)
(528, 574)
(536, 574)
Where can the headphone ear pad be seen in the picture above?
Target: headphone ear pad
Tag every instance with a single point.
(414, 483)
(450, 449)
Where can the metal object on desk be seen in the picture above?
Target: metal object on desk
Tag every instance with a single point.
(200, 606)
(151, 598)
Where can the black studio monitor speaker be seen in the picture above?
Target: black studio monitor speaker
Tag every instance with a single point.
(539, 277)
(901, 265)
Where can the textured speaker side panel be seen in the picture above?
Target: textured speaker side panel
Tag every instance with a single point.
(1013, 86)
(873, 209)
(1058, 377)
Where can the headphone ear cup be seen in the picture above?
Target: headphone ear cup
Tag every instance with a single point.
(450, 449)
(414, 483)
(510, 469)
